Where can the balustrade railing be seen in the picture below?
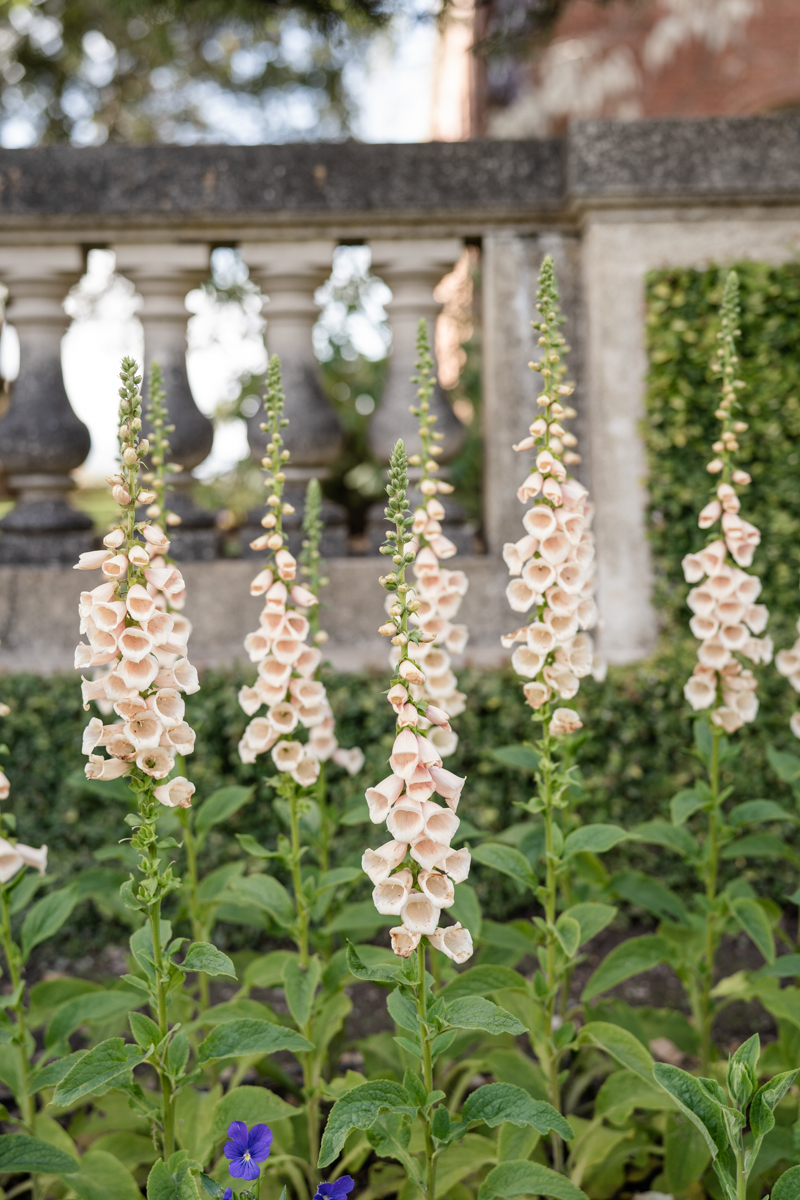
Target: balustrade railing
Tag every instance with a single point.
(610, 200)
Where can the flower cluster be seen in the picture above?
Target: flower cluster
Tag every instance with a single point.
(726, 618)
(136, 632)
(553, 564)
(287, 663)
(414, 874)
(439, 591)
(788, 665)
(14, 855)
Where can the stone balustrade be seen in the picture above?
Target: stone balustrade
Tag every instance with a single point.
(610, 201)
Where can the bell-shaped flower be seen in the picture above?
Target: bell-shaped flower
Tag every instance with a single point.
(537, 576)
(10, 858)
(700, 691)
(445, 740)
(405, 754)
(404, 942)
(249, 700)
(405, 821)
(168, 705)
(105, 768)
(138, 674)
(520, 595)
(454, 941)
(427, 752)
(351, 760)
(536, 694)
(756, 616)
(411, 672)
(140, 603)
(260, 735)
(727, 718)
(306, 772)
(437, 888)
(262, 582)
(302, 596)
(710, 514)
(157, 762)
(418, 914)
(134, 644)
(527, 662)
(701, 602)
(379, 864)
(92, 736)
(180, 737)
(712, 653)
(693, 570)
(441, 824)
(176, 793)
(108, 614)
(704, 627)
(309, 660)
(257, 646)
(448, 785)
(143, 731)
(90, 561)
(286, 564)
(457, 638)
(185, 677)
(420, 786)
(427, 852)
(287, 755)
(456, 864)
(118, 745)
(33, 856)
(390, 895)
(382, 796)
(564, 721)
(161, 627)
(116, 567)
(733, 637)
(283, 717)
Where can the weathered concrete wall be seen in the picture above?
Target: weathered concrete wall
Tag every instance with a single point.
(39, 613)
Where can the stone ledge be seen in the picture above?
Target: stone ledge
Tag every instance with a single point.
(39, 613)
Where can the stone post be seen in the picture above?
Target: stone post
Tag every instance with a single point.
(288, 274)
(411, 267)
(41, 439)
(163, 273)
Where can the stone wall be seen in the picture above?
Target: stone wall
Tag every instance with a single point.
(610, 201)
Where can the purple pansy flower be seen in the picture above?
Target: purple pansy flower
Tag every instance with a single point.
(335, 1191)
(247, 1148)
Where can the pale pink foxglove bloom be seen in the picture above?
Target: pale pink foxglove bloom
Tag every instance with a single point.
(379, 864)
(143, 731)
(306, 772)
(105, 768)
(537, 694)
(10, 861)
(418, 914)
(564, 721)
(454, 941)
(157, 762)
(404, 942)
(177, 793)
(700, 691)
(352, 760)
(405, 756)
(390, 896)
(5, 786)
(92, 560)
(405, 821)
(794, 724)
(287, 755)
(427, 852)
(448, 785)
(437, 888)
(33, 856)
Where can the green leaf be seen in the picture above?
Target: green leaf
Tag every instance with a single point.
(507, 860)
(145, 1032)
(685, 804)
(21, 1153)
(482, 981)
(202, 956)
(46, 917)
(629, 958)
(593, 839)
(253, 1105)
(173, 1182)
(54, 1072)
(568, 932)
(495, 1103)
(102, 1176)
(474, 1012)
(622, 1045)
(765, 1101)
(403, 1011)
(266, 971)
(338, 876)
(362, 916)
(212, 1188)
(237, 1038)
(659, 833)
(92, 1006)
(219, 806)
(524, 1178)
(251, 846)
(591, 917)
(759, 810)
(786, 766)
(267, 894)
(359, 1109)
(753, 920)
(524, 758)
(380, 973)
(651, 894)
(788, 1186)
(178, 1054)
(704, 1113)
(786, 966)
(686, 1154)
(100, 1066)
(301, 986)
(758, 845)
(467, 909)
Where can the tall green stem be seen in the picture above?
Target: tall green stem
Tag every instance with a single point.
(12, 958)
(163, 1025)
(198, 932)
(711, 873)
(310, 1080)
(551, 885)
(427, 1069)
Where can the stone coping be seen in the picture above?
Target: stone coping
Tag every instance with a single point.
(712, 160)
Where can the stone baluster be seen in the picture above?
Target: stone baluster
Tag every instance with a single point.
(411, 268)
(41, 439)
(288, 274)
(162, 275)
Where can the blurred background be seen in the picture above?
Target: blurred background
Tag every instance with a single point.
(89, 72)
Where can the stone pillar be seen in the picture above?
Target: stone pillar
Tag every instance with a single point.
(41, 439)
(510, 275)
(288, 274)
(162, 274)
(411, 267)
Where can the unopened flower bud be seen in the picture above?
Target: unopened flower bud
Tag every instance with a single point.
(275, 541)
(320, 637)
(388, 630)
(144, 446)
(269, 521)
(130, 457)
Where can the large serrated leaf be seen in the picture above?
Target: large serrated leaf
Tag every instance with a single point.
(47, 916)
(755, 923)
(622, 1045)
(524, 758)
(482, 981)
(592, 917)
(659, 833)
(359, 1109)
(495, 1103)
(629, 958)
(523, 1178)
(593, 839)
(475, 1012)
(219, 806)
(99, 1067)
(704, 1112)
(266, 894)
(300, 985)
(202, 956)
(237, 1038)
(18, 1152)
(94, 1006)
(506, 860)
(788, 1186)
